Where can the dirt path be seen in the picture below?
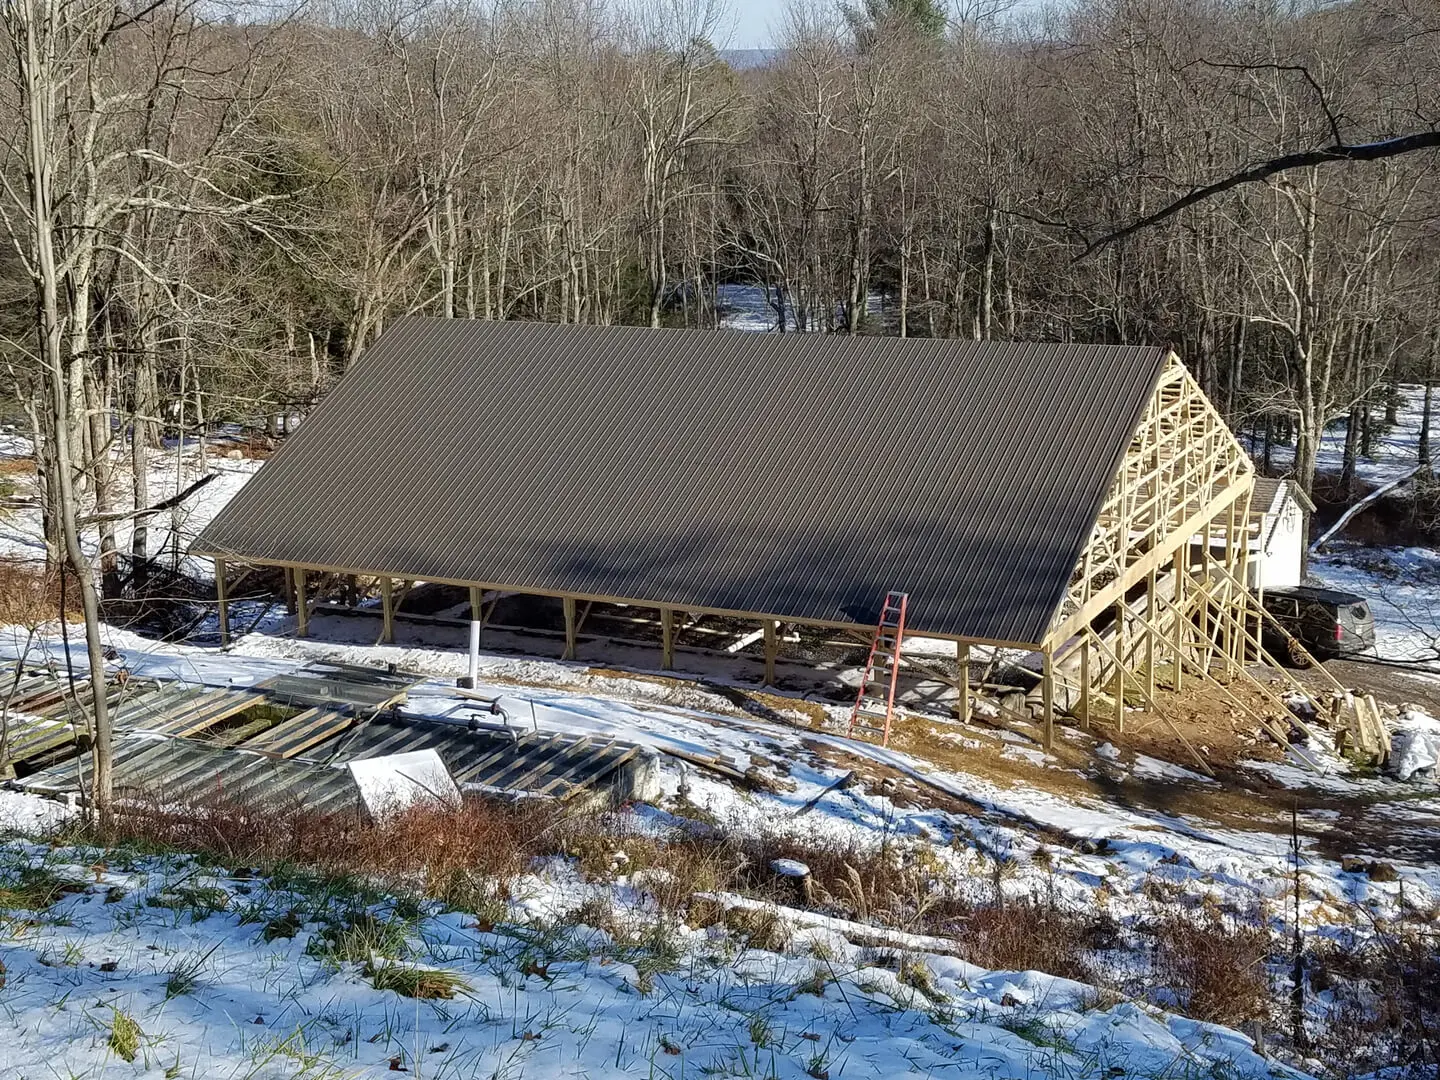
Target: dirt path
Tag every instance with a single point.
(1390, 683)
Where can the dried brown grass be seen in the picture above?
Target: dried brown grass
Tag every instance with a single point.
(429, 848)
(1383, 994)
(1215, 965)
(30, 595)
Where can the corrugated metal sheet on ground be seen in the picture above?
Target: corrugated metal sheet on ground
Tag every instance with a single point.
(535, 763)
(793, 475)
(174, 769)
(335, 684)
(28, 737)
(182, 770)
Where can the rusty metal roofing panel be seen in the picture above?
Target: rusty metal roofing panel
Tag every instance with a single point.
(791, 475)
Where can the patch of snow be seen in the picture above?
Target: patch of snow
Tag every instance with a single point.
(1402, 586)
(1154, 769)
(172, 469)
(1393, 451)
(30, 815)
(536, 994)
(790, 868)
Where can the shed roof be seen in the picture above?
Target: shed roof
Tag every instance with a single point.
(789, 475)
(1271, 492)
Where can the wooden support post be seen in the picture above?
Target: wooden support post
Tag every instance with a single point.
(302, 604)
(962, 702)
(1150, 583)
(1120, 613)
(1047, 693)
(222, 602)
(1182, 570)
(772, 646)
(289, 590)
(1207, 632)
(667, 638)
(1085, 682)
(570, 628)
(387, 611)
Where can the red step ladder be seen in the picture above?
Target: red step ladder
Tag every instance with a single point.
(889, 634)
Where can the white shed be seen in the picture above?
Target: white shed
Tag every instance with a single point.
(1281, 509)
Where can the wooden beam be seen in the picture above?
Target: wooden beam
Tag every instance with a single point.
(772, 647)
(387, 610)
(1150, 585)
(302, 604)
(962, 686)
(568, 603)
(1121, 610)
(222, 602)
(1182, 578)
(667, 638)
(1085, 682)
(1047, 693)
(1137, 570)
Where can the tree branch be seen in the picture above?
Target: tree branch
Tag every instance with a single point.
(1375, 151)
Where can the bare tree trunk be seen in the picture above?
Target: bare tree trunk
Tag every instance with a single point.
(39, 83)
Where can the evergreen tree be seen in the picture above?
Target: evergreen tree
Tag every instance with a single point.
(870, 18)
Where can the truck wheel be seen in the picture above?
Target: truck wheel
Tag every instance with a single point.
(1298, 656)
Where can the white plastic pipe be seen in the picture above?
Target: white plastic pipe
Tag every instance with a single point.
(474, 650)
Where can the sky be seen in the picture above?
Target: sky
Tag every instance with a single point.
(754, 23)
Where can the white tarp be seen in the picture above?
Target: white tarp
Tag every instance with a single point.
(396, 781)
(1414, 743)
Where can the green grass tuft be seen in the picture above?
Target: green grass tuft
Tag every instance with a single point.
(360, 937)
(125, 1035)
(413, 982)
(37, 888)
(201, 901)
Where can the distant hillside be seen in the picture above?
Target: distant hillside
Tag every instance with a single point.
(746, 59)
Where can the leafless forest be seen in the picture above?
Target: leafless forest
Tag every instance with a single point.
(227, 210)
(210, 215)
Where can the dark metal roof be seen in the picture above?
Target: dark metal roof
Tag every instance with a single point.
(1269, 489)
(789, 475)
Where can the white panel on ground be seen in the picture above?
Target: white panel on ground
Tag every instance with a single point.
(396, 781)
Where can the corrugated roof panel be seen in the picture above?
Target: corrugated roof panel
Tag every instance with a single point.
(792, 475)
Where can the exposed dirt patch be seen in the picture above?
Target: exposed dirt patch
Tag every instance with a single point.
(1386, 682)
(1376, 824)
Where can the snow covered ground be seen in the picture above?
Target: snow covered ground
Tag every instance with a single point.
(1393, 452)
(749, 307)
(1402, 586)
(1242, 867)
(163, 967)
(172, 470)
(545, 995)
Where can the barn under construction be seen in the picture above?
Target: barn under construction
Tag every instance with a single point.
(1085, 504)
